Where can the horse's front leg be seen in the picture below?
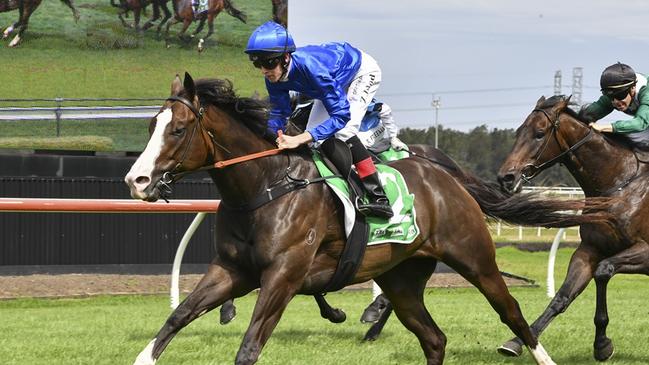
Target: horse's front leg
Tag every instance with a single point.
(279, 285)
(210, 26)
(633, 260)
(167, 15)
(199, 28)
(182, 35)
(219, 284)
(580, 272)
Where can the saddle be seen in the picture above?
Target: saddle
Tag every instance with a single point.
(335, 159)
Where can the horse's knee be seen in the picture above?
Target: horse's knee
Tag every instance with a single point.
(604, 272)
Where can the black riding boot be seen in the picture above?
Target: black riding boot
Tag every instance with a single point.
(377, 203)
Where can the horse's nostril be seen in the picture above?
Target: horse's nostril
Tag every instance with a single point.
(141, 180)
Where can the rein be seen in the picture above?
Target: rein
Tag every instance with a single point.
(274, 191)
(555, 127)
(535, 169)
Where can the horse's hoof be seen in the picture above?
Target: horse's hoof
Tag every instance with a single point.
(337, 316)
(228, 312)
(604, 351)
(372, 334)
(373, 312)
(511, 348)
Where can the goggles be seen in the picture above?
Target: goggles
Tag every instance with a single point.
(617, 94)
(268, 63)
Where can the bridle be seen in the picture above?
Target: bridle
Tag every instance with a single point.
(168, 177)
(535, 169)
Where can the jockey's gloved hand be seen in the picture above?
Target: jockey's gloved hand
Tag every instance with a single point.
(398, 145)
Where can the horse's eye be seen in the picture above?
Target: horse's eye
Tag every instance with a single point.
(539, 134)
(178, 132)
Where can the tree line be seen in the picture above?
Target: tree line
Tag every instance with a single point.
(482, 151)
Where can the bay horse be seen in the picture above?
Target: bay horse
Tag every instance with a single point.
(184, 13)
(137, 6)
(604, 165)
(25, 10)
(292, 244)
(280, 12)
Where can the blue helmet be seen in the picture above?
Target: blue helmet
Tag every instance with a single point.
(270, 38)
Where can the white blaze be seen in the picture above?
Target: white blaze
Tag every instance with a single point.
(146, 162)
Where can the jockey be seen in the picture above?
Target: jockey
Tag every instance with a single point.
(626, 91)
(341, 79)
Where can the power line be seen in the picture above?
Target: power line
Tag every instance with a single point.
(483, 106)
(467, 91)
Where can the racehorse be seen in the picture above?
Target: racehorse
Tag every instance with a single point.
(604, 165)
(137, 6)
(280, 12)
(25, 9)
(291, 245)
(184, 13)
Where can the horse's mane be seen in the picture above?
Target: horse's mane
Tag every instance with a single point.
(252, 112)
(553, 100)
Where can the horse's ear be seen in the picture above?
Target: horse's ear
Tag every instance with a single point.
(176, 86)
(189, 86)
(562, 104)
(540, 101)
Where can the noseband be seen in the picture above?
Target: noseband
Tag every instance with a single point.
(535, 169)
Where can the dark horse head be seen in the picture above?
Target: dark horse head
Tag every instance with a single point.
(604, 165)
(180, 141)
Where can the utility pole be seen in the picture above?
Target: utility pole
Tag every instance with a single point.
(557, 83)
(436, 103)
(576, 85)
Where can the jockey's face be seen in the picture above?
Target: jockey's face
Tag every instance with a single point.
(623, 104)
(273, 74)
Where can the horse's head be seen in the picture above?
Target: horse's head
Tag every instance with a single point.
(176, 143)
(537, 146)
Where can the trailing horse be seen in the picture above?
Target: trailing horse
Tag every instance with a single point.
(291, 245)
(604, 165)
(25, 9)
(184, 12)
(137, 6)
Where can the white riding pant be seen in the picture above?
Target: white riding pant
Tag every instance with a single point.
(359, 94)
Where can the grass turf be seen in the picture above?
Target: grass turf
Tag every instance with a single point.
(110, 330)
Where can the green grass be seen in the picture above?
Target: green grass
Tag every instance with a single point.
(113, 330)
(81, 143)
(61, 58)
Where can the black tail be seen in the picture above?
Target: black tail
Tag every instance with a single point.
(531, 209)
(528, 209)
(235, 12)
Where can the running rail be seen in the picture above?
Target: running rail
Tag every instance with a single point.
(201, 207)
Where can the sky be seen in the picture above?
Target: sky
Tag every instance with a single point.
(487, 61)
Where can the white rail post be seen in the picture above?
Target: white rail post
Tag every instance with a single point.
(551, 259)
(180, 252)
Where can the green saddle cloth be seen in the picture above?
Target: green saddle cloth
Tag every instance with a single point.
(402, 227)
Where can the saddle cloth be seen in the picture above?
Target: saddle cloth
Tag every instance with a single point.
(401, 228)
